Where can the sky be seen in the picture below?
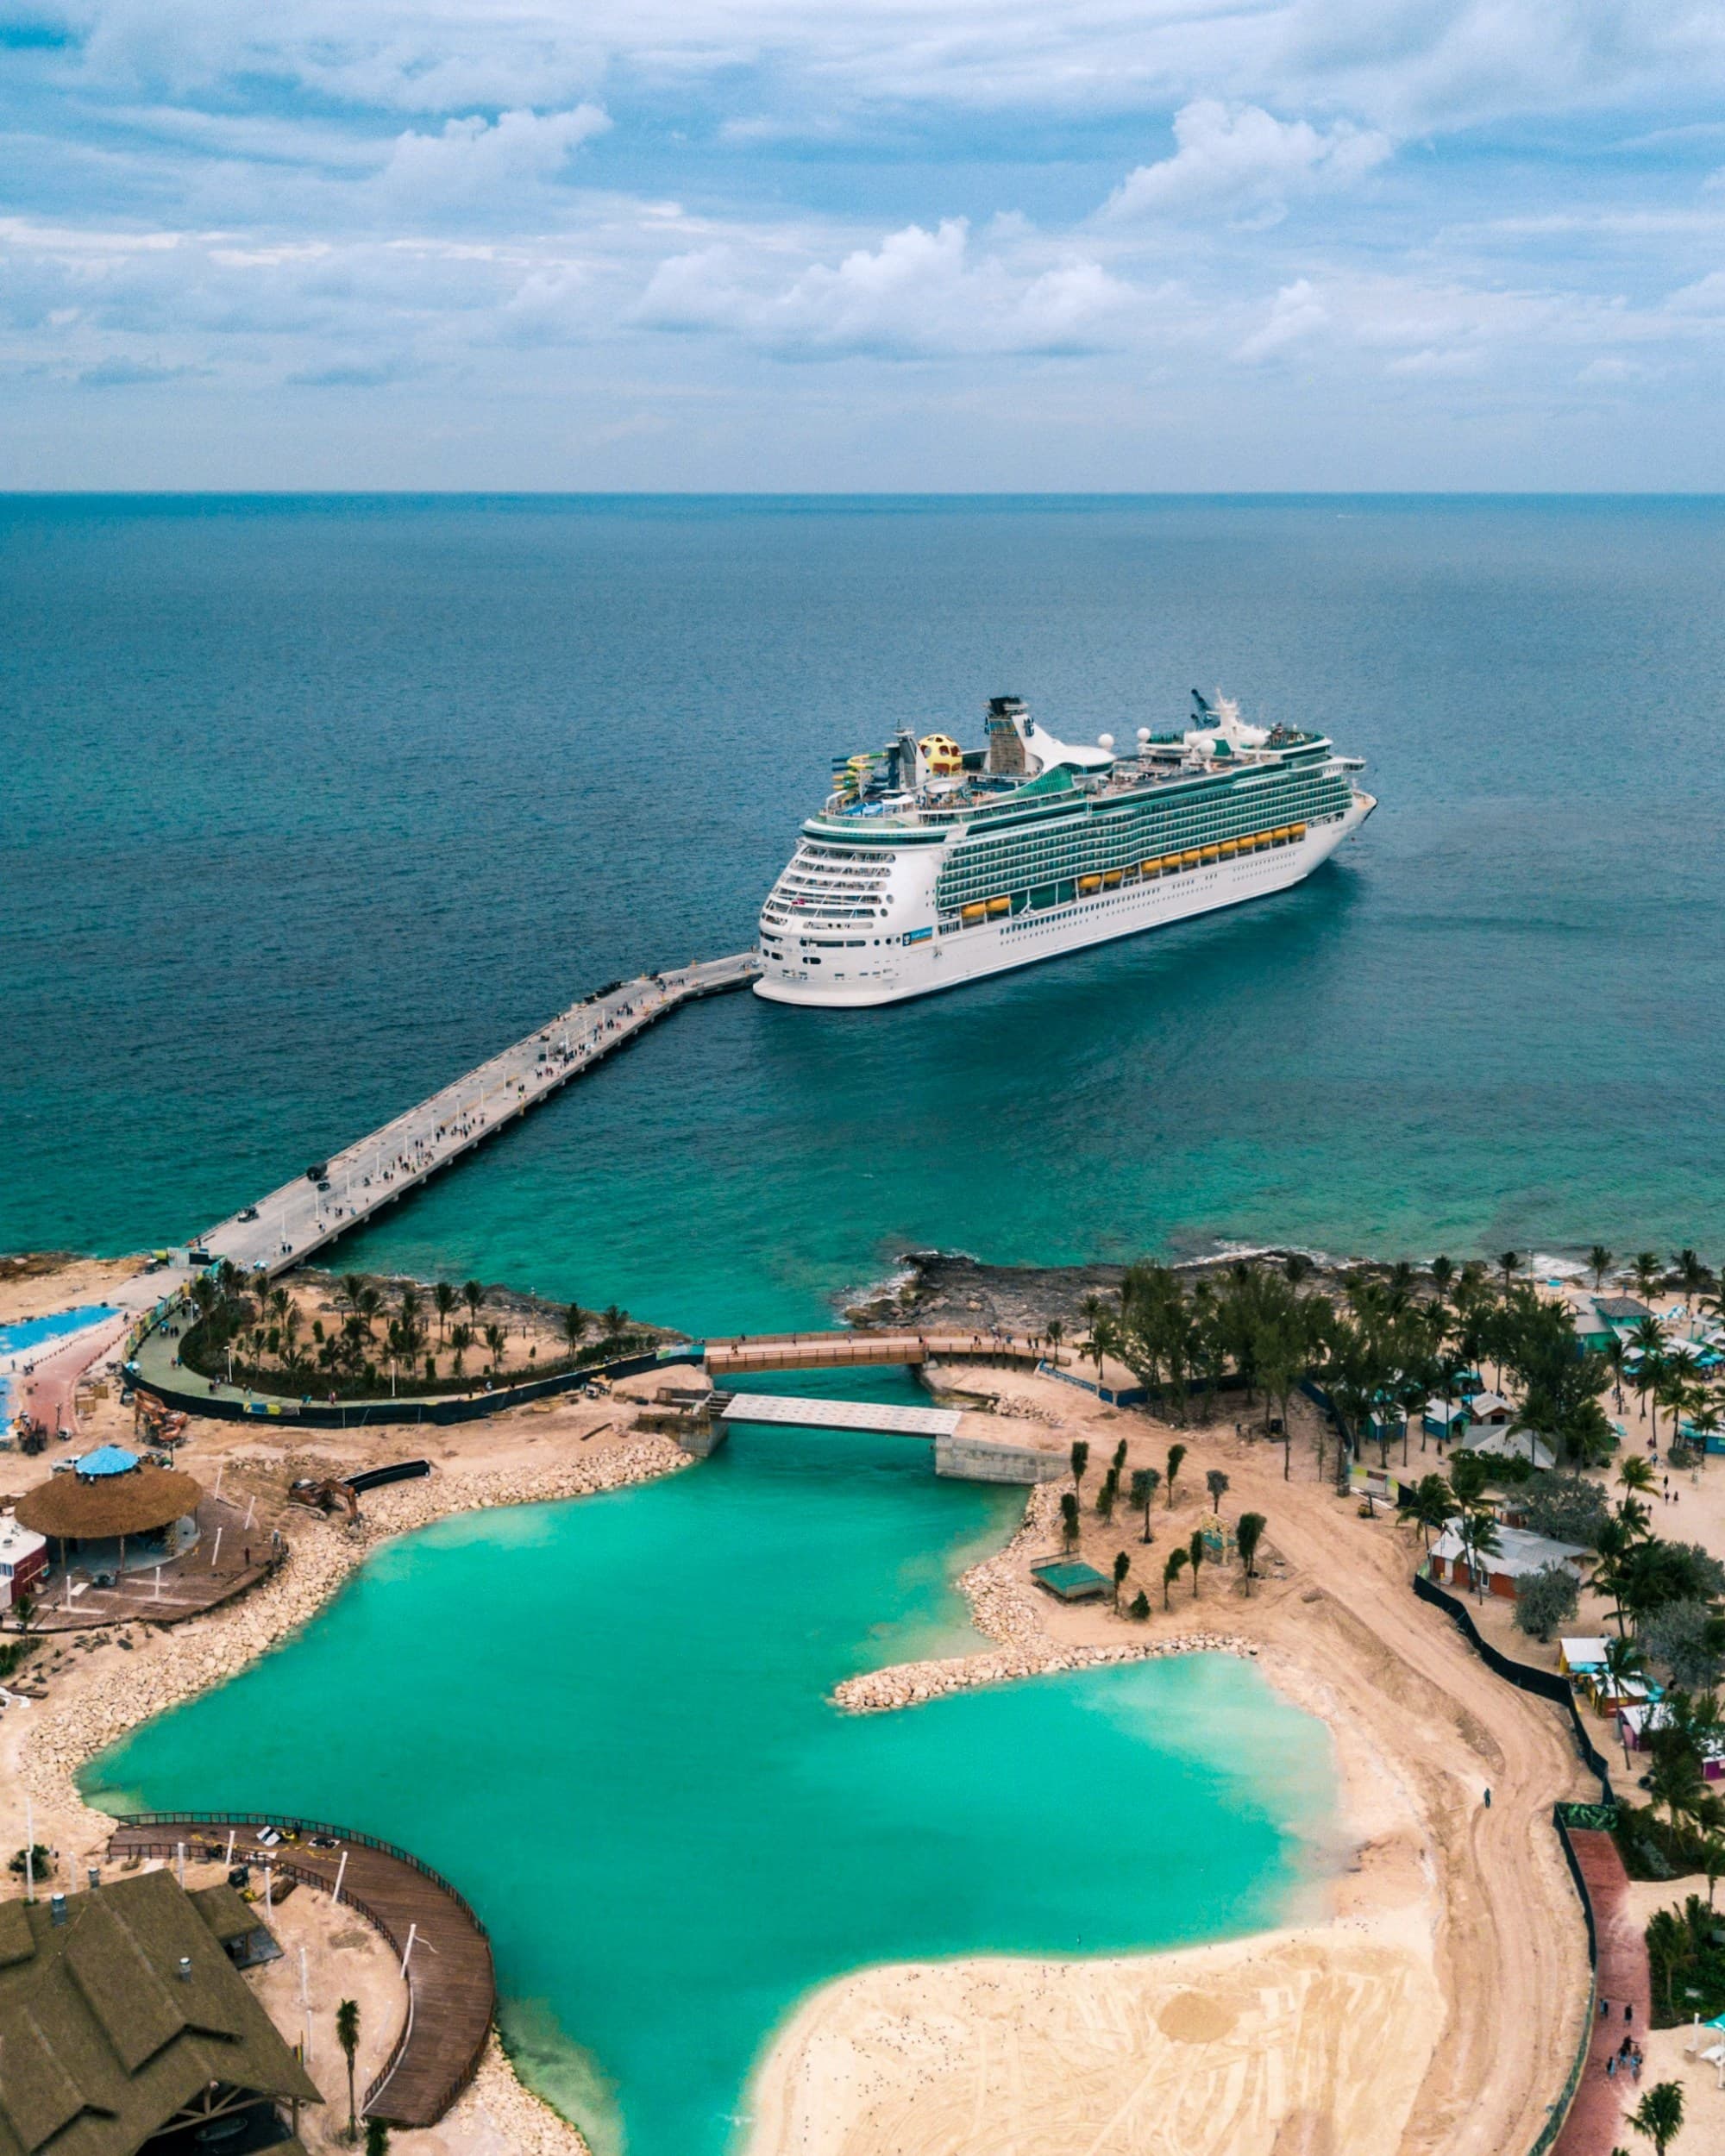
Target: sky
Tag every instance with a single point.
(891, 245)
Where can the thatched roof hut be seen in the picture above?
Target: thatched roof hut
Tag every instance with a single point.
(73, 1508)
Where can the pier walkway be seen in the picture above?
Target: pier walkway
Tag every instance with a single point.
(284, 1229)
(451, 1992)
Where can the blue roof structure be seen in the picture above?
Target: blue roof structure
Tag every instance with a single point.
(106, 1459)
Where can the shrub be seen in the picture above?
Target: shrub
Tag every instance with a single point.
(1567, 1507)
(1140, 1606)
(1689, 1641)
(1548, 1598)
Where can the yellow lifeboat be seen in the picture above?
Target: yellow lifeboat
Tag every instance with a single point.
(971, 915)
(1111, 881)
(1209, 853)
(1228, 848)
(1087, 884)
(1192, 856)
(945, 758)
(1296, 831)
(1000, 906)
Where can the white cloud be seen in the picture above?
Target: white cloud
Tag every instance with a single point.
(1296, 313)
(919, 293)
(474, 158)
(1244, 159)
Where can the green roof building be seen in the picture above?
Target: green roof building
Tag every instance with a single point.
(126, 2027)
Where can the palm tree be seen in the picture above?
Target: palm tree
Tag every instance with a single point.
(1175, 1454)
(1693, 1274)
(495, 1339)
(1648, 1272)
(1217, 1483)
(1196, 1554)
(1054, 1332)
(1478, 1532)
(1173, 1565)
(1509, 1264)
(1658, 2115)
(1676, 1782)
(377, 2138)
(473, 1294)
(1096, 1316)
(574, 1324)
(1145, 1483)
(1434, 1503)
(1248, 1533)
(1107, 1493)
(1122, 1566)
(347, 2036)
(446, 1299)
(1598, 1264)
(1068, 1517)
(1081, 1459)
(1636, 1474)
(614, 1317)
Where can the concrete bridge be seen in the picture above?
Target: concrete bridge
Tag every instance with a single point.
(284, 1229)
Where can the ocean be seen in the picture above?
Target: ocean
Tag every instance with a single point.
(310, 803)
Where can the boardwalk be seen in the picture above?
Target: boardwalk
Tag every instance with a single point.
(302, 1216)
(232, 1554)
(451, 1991)
(1596, 2123)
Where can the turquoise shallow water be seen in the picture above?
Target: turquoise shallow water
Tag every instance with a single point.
(605, 1722)
(311, 804)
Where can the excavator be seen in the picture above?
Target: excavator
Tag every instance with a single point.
(154, 1420)
(330, 1495)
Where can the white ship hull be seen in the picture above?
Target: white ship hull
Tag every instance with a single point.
(862, 971)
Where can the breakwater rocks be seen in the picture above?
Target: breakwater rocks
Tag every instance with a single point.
(1004, 1606)
(178, 1665)
(518, 2121)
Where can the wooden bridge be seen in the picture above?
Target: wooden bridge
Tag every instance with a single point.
(451, 1991)
(749, 1352)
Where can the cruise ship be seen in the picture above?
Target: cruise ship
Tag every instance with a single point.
(931, 865)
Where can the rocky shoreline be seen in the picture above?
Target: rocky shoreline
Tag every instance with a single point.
(1004, 1608)
(937, 1288)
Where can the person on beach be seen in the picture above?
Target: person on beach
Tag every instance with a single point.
(1611, 2067)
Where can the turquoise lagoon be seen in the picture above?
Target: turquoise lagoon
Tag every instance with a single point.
(607, 1722)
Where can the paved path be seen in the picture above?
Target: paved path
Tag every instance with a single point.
(1596, 2123)
(451, 1989)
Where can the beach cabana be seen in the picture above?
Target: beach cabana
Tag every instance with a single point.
(1519, 1554)
(1493, 1442)
(1445, 1419)
(1491, 1408)
(114, 1512)
(1581, 1657)
(1638, 1719)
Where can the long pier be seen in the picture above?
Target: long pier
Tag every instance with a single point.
(284, 1229)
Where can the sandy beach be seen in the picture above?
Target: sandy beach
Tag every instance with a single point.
(1361, 2030)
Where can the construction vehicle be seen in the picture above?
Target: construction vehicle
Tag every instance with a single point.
(329, 1495)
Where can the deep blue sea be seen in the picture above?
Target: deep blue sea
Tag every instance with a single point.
(310, 804)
